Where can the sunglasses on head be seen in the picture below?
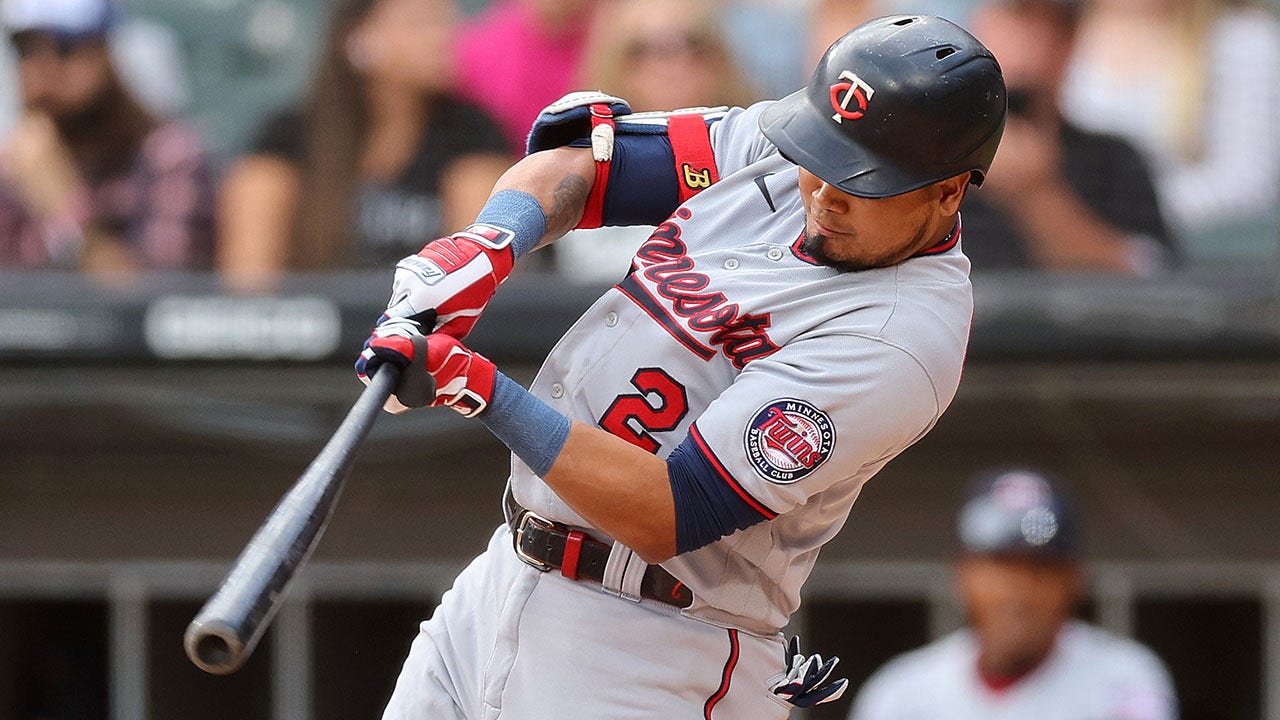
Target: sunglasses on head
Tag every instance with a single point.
(28, 42)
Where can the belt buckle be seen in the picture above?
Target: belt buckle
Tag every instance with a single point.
(525, 518)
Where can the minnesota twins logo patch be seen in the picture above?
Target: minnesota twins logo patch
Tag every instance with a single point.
(788, 439)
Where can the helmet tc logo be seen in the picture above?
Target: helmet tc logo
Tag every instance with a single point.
(853, 90)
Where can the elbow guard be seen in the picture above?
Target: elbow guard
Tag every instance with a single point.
(654, 161)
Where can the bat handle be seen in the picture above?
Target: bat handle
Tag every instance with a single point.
(223, 634)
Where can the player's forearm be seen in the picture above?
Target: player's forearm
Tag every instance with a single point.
(618, 488)
(559, 180)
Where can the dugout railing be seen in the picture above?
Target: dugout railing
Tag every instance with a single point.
(140, 602)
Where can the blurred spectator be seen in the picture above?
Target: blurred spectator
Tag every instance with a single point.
(658, 55)
(90, 179)
(829, 19)
(379, 159)
(10, 102)
(519, 56)
(1057, 197)
(1198, 88)
(768, 39)
(148, 55)
(1022, 655)
(663, 55)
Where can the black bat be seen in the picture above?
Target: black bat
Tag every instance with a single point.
(228, 627)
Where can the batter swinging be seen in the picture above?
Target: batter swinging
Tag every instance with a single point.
(799, 318)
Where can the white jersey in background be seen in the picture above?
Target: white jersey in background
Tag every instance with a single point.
(1090, 675)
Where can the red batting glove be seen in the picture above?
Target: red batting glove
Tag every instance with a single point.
(437, 369)
(449, 282)
(464, 378)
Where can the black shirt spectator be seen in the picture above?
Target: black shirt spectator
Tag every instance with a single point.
(1108, 174)
(394, 219)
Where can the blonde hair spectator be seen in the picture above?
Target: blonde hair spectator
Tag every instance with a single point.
(1197, 89)
(658, 55)
(663, 55)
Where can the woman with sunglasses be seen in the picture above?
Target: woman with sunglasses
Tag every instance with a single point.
(89, 178)
(658, 54)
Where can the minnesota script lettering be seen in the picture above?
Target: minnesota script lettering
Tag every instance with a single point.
(663, 261)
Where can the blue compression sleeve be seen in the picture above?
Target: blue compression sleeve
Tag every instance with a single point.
(707, 508)
(519, 212)
(533, 430)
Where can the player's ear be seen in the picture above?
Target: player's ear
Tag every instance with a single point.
(952, 193)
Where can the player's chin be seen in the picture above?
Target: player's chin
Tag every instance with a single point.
(821, 248)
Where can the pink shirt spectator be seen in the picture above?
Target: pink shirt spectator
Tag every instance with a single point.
(161, 207)
(512, 65)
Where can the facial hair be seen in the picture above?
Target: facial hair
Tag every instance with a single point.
(815, 246)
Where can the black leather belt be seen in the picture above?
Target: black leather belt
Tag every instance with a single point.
(548, 545)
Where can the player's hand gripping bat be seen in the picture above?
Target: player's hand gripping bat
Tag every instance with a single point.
(226, 630)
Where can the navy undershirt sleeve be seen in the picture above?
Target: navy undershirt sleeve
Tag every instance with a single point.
(643, 188)
(707, 508)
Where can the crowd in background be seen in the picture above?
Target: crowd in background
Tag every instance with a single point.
(1139, 137)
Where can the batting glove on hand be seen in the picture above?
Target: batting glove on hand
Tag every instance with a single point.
(808, 679)
(437, 369)
(449, 282)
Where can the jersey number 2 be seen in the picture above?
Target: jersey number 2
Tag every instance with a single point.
(659, 406)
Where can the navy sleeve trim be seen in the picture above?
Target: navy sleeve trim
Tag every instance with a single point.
(709, 504)
(723, 473)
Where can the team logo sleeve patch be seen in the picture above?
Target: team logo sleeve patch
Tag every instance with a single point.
(788, 439)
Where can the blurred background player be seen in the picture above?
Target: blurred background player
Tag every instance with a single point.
(380, 155)
(1198, 90)
(90, 178)
(1060, 198)
(1022, 655)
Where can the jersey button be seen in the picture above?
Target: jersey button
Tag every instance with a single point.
(611, 319)
(731, 264)
(557, 390)
(774, 254)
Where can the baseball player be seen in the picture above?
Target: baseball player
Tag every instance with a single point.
(1023, 656)
(798, 318)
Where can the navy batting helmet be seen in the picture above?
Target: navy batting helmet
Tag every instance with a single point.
(1018, 512)
(896, 104)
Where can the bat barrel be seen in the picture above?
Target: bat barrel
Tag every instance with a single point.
(225, 631)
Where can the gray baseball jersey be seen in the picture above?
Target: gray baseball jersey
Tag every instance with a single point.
(799, 381)
(1090, 674)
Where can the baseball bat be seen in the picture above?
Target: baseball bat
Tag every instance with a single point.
(225, 631)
